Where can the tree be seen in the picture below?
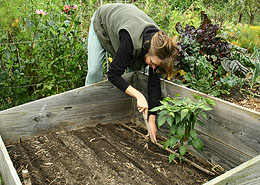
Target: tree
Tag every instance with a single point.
(252, 9)
(219, 10)
(238, 6)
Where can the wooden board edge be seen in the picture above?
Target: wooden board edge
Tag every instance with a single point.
(65, 113)
(7, 169)
(128, 77)
(226, 178)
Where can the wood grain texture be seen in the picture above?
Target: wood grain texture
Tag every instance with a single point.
(234, 128)
(98, 103)
(244, 174)
(7, 169)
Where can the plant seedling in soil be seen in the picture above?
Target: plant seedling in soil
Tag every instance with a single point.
(182, 114)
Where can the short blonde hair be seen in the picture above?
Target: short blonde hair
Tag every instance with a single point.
(165, 48)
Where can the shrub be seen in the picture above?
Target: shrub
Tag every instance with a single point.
(206, 57)
(41, 54)
(246, 37)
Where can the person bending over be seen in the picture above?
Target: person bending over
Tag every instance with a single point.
(134, 41)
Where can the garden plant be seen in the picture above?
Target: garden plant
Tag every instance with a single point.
(42, 53)
(43, 44)
(212, 65)
(182, 114)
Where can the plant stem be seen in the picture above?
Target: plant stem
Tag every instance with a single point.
(252, 94)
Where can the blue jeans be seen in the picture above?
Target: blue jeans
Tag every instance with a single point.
(96, 54)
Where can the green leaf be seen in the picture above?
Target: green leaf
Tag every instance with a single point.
(170, 120)
(171, 157)
(29, 23)
(181, 131)
(164, 102)
(37, 36)
(50, 23)
(196, 96)
(173, 141)
(209, 101)
(193, 134)
(201, 123)
(66, 22)
(204, 115)
(205, 107)
(175, 109)
(177, 118)
(183, 149)
(172, 114)
(167, 143)
(163, 112)
(155, 109)
(161, 120)
(184, 113)
(77, 22)
(197, 144)
(173, 129)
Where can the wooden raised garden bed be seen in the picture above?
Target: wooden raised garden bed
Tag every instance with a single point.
(95, 135)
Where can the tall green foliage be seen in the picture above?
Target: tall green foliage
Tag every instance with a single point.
(41, 54)
(235, 11)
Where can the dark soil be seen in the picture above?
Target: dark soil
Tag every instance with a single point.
(106, 154)
(246, 97)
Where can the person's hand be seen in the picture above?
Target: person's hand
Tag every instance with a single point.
(152, 126)
(142, 105)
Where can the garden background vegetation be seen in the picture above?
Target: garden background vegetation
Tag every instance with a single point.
(43, 43)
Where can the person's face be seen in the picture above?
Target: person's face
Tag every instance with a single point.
(153, 61)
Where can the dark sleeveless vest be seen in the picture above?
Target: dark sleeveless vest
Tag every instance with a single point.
(111, 18)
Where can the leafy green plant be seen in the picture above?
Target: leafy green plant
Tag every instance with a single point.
(206, 57)
(182, 114)
(227, 82)
(234, 67)
(42, 53)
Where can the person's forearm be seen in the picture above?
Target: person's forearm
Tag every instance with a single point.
(131, 91)
(142, 104)
(152, 125)
(152, 117)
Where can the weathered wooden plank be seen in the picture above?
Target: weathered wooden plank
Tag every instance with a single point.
(7, 169)
(98, 103)
(134, 101)
(224, 155)
(234, 128)
(244, 174)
